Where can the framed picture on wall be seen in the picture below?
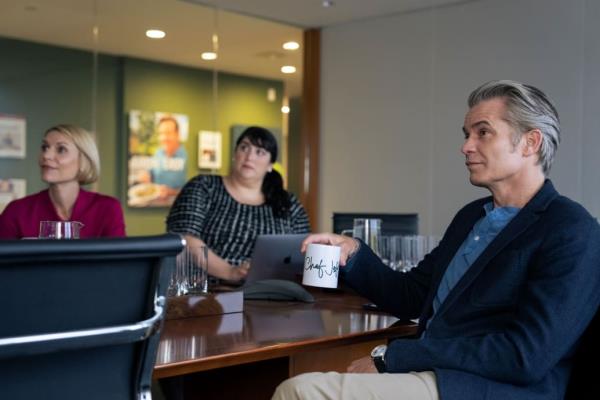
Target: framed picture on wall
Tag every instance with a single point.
(210, 150)
(11, 189)
(12, 136)
(157, 164)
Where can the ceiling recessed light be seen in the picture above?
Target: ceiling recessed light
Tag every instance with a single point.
(155, 34)
(285, 109)
(288, 69)
(209, 55)
(291, 46)
(328, 3)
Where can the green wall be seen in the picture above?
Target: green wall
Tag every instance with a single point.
(49, 85)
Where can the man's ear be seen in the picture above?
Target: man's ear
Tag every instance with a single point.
(533, 142)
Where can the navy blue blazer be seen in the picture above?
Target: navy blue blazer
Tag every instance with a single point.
(509, 327)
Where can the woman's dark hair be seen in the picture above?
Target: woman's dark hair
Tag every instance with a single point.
(272, 187)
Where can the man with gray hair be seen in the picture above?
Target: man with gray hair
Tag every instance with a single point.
(504, 299)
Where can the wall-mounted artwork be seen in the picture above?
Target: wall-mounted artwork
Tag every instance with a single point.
(157, 157)
(12, 136)
(11, 189)
(210, 150)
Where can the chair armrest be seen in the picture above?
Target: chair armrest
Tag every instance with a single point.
(87, 338)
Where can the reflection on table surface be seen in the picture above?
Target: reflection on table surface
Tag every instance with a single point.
(267, 330)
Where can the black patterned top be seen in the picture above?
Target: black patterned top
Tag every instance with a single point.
(206, 210)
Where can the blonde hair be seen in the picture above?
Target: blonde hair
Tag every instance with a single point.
(89, 159)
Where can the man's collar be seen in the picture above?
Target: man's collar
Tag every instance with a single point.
(542, 198)
(538, 203)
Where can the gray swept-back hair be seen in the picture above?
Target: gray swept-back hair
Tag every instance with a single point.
(527, 108)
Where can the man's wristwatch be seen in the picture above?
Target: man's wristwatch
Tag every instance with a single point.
(378, 357)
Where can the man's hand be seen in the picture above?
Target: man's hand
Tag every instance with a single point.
(362, 366)
(348, 246)
(143, 176)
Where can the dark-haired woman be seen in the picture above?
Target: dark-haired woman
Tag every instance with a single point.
(227, 213)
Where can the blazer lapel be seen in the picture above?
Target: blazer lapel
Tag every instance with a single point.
(525, 218)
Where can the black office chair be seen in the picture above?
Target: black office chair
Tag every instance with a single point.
(391, 224)
(81, 317)
(582, 384)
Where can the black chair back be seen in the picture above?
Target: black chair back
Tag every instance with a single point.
(391, 224)
(82, 316)
(582, 383)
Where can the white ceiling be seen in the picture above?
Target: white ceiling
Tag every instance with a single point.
(312, 14)
(248, 45)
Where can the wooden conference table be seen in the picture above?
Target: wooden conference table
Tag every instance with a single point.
(245, 355)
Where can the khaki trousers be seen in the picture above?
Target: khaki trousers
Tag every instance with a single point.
(336, 386)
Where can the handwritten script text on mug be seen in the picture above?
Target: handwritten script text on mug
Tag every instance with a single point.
(321, 267)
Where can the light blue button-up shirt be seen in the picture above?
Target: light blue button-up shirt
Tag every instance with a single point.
(482, 234)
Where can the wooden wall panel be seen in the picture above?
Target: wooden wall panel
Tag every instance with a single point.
(310, 122)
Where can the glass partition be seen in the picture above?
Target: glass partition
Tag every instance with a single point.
(91, 64)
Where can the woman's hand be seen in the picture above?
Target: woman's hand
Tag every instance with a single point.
(239, 272)
(348, 246)
(217, 266)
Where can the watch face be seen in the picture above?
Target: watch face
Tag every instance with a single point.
(379, 351)
(378, 355)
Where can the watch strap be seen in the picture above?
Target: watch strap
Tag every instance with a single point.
(378, 357)
(379, 364)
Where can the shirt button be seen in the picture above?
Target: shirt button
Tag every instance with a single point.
(476, 238)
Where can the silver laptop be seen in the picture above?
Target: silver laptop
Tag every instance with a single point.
(277, 257)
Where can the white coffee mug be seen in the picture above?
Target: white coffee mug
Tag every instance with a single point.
(321, 266)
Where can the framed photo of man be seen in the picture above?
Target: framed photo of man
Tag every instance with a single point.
(157, 163)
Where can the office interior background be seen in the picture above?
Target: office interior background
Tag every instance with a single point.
(393, 86)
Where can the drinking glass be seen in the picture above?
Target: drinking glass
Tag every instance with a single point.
(60, 229)
(385, 249)
(414, 249)
(407, 253)
(395, 252)
(197, 271)
(191, 272)
(369, 231)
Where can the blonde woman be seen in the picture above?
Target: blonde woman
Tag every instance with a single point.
(68, 159)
